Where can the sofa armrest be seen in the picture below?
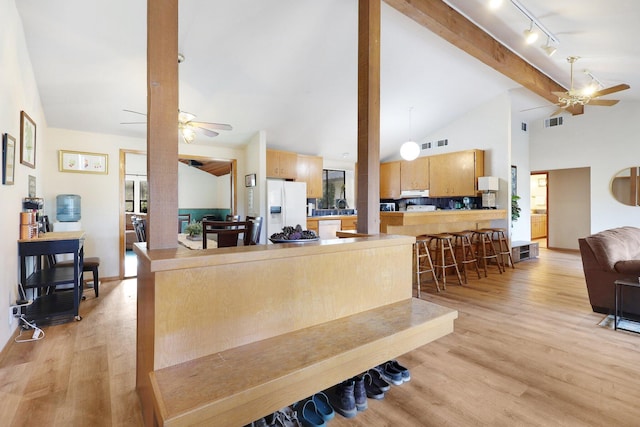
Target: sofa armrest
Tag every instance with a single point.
(630, 267)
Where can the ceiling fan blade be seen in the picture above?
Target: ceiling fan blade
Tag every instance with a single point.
(133, 123)
(219, 126)
(558, 111)
(563, 94)
(603, 102)
(135, 112)
(208, 132)
(612, 89)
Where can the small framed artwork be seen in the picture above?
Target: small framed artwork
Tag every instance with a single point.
(77, 161)
(250, 180)
(8, 159)
(27, 140)
(514, 180)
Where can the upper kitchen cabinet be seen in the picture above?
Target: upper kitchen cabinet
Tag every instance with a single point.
(455, 174)
(414, 175)
(281, 164)
(309, 170)
(390, 180)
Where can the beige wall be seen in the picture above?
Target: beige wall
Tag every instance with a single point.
(568, 207)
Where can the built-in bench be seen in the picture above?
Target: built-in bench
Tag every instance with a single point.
(228, 335)
(242, 384)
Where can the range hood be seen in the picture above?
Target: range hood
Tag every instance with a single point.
(410, 194)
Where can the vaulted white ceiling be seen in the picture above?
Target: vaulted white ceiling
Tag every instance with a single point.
(290, 66)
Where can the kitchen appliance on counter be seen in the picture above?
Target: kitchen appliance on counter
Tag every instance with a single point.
(387, 207)
(286, 205)
(421, 208)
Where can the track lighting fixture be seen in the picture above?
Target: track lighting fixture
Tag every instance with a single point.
(548, 48)
(530, 35)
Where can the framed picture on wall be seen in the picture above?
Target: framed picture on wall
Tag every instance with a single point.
(250, 180)
(514, 180)
(27, 140)
(8, 159)
(76, 161)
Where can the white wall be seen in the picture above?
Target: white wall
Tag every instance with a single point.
(255, 198)
(198, 189)
(604, 139)
(18, 91)
(521, 228)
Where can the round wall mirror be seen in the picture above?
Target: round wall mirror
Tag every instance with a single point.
(625, 186)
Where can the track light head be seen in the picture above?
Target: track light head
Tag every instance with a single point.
(548, 48)
(530, 35)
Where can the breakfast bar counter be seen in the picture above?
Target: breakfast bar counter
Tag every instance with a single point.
(440, 221)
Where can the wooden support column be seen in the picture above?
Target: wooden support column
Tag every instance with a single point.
(444, 21)
(162, 122)
(368, 178)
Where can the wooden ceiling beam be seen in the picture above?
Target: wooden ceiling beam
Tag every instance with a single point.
(446, 22)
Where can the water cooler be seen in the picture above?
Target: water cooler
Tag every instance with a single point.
(68, 213)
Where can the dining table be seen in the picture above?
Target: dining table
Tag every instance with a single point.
(196, 242)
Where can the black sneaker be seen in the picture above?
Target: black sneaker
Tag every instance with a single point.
(406, 375)
(360, 393)
(378, 381)
(343, 400)
(390, 373)
(373, 391)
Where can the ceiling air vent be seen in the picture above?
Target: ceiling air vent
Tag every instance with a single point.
(523, 127)
(426, 145)
(443, 142)
(553, 121)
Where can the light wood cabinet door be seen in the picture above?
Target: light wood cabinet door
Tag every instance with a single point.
(455, 174)
(309, 170)
(281, 164)
(348, 223)
(390, 180)
(312, 224)
(414, 175)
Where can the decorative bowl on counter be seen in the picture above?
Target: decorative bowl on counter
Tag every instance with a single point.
(294, 235)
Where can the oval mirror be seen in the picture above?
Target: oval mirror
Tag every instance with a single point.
(625, 186)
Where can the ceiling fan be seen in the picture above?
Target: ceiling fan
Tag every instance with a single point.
(187, 126)
(588, 95)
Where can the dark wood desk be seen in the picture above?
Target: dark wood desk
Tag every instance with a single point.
(50, 305)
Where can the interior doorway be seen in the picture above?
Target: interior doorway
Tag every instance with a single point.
(539, 207)
(133, 178)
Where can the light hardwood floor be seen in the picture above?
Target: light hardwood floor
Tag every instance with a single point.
(526, 351)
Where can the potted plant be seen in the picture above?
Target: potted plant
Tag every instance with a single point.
(515, 208)
(193, 230)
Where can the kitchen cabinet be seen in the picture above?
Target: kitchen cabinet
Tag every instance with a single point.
(309, 170)
(349, 223)
(455, 174)
(538, 226)
(281, 164)
(414, 175)
(390, 180)
(312, 224)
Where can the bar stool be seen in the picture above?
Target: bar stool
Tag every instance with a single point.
(424, 264)
(444, 256)
(483, 242)
(466, 254)
(500, 236)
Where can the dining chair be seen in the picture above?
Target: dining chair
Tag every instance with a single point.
(140, 225)
(183, 221)
(253, 238)
(227, 233)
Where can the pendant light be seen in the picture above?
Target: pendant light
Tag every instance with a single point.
(410, 150)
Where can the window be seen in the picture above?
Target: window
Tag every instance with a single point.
(128, 196)
(333, 189)
(143, 196)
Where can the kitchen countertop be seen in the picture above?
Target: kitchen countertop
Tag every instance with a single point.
(417, 223)
(323, 217)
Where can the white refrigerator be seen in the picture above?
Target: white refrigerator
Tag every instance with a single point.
(286, 205)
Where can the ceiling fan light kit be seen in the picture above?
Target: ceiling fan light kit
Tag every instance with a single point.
(410, 150)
